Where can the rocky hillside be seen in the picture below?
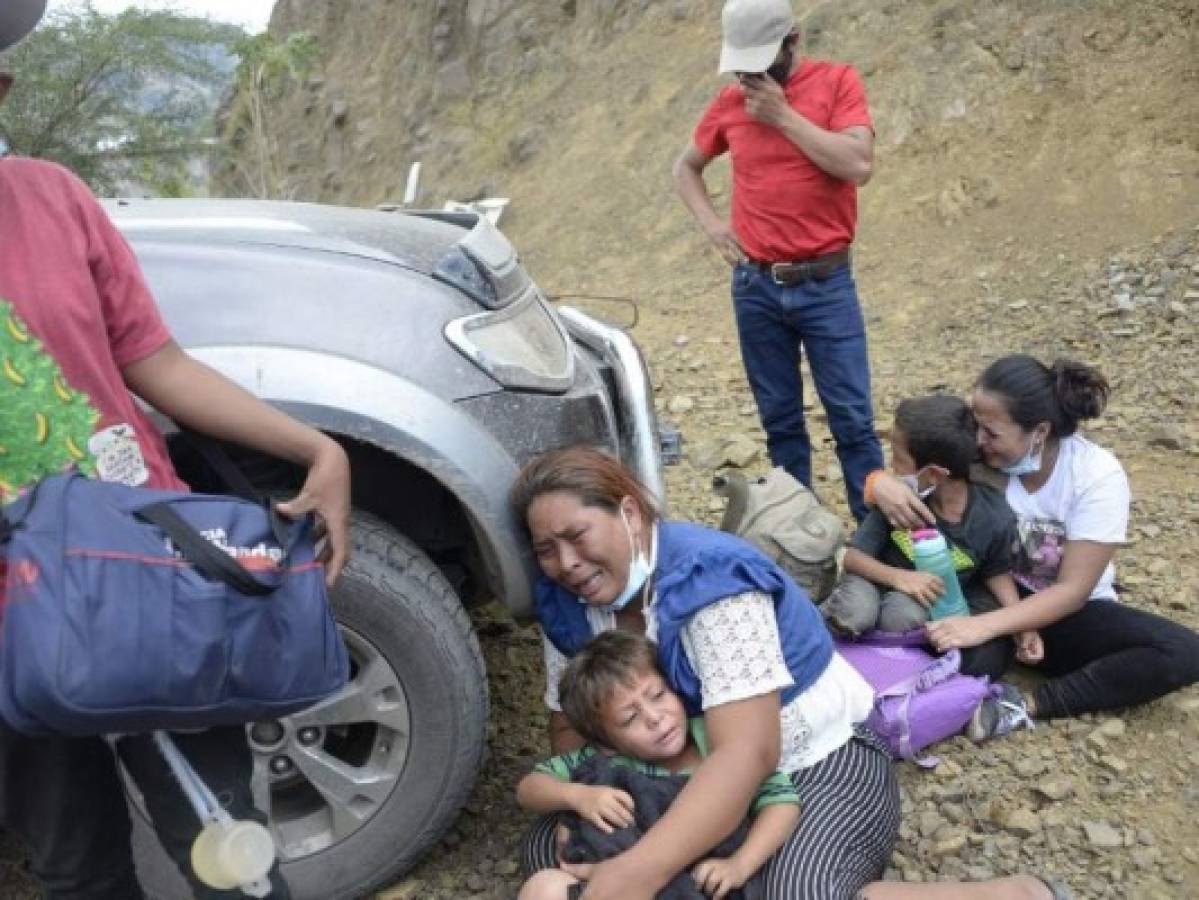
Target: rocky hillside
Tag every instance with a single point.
(1068, 128)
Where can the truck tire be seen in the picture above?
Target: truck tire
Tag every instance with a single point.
(361, 785)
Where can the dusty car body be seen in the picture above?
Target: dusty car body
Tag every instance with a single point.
(420, 342)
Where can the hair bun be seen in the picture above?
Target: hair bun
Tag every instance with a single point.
(1081, 390)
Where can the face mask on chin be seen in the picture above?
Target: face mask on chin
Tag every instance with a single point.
(1029, 463)
(639, 571)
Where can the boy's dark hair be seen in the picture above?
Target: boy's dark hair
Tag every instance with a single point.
(939, 430)
(610, 660)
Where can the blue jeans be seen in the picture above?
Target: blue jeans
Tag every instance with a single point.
(824, 317)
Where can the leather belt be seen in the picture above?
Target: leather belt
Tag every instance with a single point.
(817, 268)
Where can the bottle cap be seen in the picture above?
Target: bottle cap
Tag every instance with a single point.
(246, 851)
(925, 534)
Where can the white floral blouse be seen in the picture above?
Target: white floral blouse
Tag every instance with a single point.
(734, 648)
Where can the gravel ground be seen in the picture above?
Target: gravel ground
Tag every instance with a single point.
(1107, 803)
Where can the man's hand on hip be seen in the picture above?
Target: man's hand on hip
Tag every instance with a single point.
(766, 102)
(725, 242)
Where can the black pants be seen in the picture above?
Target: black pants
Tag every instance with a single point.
(1109, 655)
(1105, 656)
(992, 658)
(64, 798)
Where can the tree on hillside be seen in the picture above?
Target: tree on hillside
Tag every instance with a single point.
(267, 69)
(117, 98)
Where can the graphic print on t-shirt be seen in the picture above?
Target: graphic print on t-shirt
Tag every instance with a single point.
(45, 424)
(962, 560)
(1037, 554)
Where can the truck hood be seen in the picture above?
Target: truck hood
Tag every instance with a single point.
(416, 241)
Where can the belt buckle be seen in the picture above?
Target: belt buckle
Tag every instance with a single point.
(800, 272)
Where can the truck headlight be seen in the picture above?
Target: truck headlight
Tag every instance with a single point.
(521, 346)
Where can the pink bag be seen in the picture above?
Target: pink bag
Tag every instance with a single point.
(919, 698)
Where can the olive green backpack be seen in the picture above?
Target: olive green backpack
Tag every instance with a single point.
(786, 521)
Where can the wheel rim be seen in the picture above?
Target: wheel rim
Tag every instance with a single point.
(323, 773)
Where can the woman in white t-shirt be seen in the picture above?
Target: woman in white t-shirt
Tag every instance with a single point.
(1071, 500)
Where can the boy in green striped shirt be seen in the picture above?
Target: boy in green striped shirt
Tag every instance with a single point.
(615, 696)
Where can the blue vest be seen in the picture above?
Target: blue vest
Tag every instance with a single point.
(698, 566)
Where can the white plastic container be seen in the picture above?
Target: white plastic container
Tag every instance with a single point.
(232, 854)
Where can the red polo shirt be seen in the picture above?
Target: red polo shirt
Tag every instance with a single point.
(784, 206)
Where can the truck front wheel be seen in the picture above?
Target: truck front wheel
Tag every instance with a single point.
(359, 786)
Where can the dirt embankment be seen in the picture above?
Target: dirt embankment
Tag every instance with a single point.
(1066, 127)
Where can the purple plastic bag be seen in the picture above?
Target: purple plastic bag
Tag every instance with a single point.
(919, 698)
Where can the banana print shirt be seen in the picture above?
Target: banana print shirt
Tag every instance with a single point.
(74, 312)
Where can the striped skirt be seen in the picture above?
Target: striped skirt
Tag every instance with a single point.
(849, 818)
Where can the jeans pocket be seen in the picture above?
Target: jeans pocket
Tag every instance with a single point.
(833, 307)
(743, 278)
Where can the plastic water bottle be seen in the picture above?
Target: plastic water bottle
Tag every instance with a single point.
(932, 555)
(232, 854)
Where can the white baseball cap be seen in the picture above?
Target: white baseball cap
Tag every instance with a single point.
(753, 33)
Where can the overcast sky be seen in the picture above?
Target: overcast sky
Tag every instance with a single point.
(250, 14)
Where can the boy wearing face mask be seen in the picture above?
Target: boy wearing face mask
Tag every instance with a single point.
(932, 448)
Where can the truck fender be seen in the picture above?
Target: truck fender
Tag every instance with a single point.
(347, 397)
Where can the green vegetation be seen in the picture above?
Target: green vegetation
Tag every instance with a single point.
(267, 70)
(121, 98)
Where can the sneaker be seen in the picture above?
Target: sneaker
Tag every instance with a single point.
(997, 716)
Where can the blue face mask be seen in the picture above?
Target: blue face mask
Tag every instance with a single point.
(639, 571)
(1027, 464)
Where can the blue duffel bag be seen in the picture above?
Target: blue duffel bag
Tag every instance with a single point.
(130, 609)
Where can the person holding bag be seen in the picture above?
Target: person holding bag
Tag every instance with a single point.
(80, 336)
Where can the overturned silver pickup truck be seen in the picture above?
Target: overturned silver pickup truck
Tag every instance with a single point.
(420, 343)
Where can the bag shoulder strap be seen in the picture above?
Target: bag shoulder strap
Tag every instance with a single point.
(732, 485)
(217, 457)
(940, 669)
(25, 503)
(213, 562)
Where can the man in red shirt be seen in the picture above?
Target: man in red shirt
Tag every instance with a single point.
(80, 335)
(801, 140)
